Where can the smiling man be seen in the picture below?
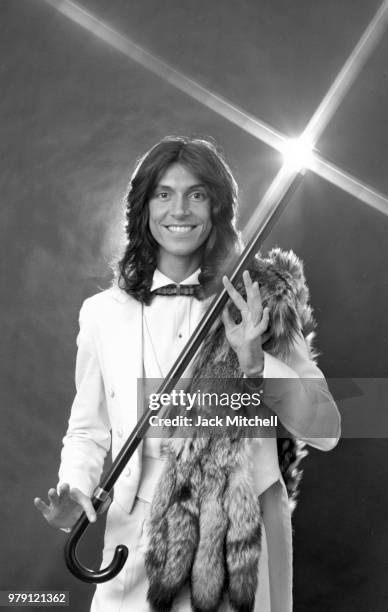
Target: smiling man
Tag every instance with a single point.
(180, 229)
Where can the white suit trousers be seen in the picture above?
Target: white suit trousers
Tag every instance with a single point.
(127, 592)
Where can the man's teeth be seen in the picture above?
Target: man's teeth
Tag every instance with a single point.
(180, 228)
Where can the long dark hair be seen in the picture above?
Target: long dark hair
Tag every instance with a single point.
(202, 158)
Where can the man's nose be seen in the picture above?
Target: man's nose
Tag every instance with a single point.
(180, 206)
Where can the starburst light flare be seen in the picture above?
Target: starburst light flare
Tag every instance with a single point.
(298, 153)
(246, 121)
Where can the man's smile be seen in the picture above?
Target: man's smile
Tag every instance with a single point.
(180, 229)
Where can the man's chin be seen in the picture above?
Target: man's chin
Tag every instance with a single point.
(181, 250)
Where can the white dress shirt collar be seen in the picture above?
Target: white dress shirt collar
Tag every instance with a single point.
(160, 279)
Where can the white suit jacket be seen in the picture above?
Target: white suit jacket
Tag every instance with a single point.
(104, 411)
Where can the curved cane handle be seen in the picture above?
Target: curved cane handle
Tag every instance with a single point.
(82, 572)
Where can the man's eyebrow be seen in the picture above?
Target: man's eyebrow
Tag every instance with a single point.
(190, 188)
(160, 186)
(197, 186)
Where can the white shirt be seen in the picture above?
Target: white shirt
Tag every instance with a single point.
(168, 323)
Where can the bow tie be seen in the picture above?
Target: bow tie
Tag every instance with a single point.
(172, 289)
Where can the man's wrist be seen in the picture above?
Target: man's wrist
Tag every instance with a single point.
(256, 372)
(254, 377)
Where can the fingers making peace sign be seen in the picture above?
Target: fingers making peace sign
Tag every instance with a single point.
(246, 338)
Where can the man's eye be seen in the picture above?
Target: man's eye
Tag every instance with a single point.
(198, 195)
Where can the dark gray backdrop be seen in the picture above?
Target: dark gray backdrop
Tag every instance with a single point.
(76, 114)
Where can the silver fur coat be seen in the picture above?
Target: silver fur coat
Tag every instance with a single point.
(205, 524)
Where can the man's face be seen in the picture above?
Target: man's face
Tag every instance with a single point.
(179, 213)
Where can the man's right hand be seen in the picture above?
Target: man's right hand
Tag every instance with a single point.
(65, 509)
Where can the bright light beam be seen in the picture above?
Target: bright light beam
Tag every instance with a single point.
(347, 75)
(350, 184)
(275, 192)
(297, 153)
(219, 105)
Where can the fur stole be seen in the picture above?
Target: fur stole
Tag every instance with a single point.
(205, 524)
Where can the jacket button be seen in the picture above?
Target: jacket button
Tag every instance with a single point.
(112, 393)
(127, 472)
(119, 433)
